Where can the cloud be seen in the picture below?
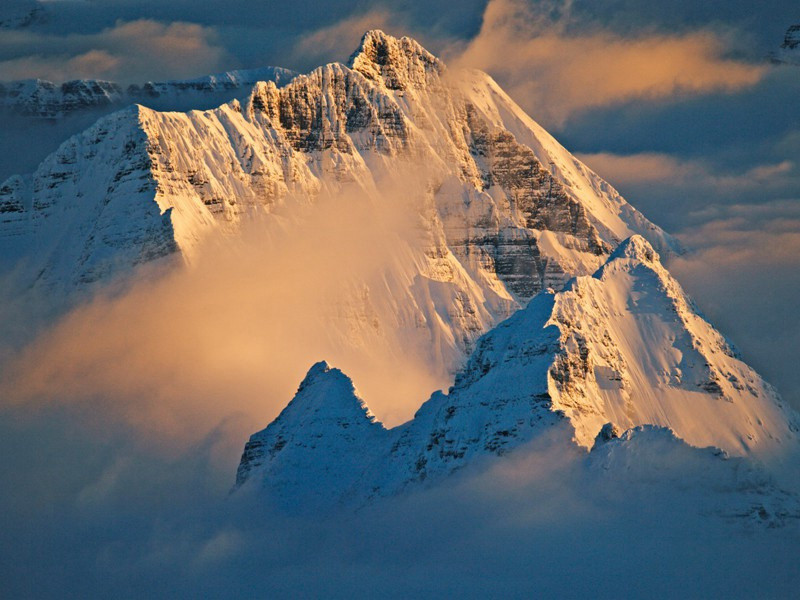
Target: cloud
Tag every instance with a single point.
(136, 50)
(651, 168)
(156, 526)
(225, 343)
(679, 192)
(555, 73)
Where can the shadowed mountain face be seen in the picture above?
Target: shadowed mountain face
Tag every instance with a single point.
(617, 350)
(502, 211)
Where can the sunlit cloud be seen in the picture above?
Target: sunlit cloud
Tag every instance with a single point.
(225, 342)
(555, 73)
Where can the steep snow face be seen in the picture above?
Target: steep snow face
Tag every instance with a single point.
(504, 211)
(613, 351)
(325, 417)
(635, 351)
(89, 210)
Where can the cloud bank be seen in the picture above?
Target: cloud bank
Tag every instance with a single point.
(554, 73)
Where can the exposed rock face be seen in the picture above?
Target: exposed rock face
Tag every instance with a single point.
(505, 213)
(613, 351)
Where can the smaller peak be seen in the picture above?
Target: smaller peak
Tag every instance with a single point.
(635, 247)
(327, 389)
(631, 255)
(608, 432)
(317, 369)
(326, 396)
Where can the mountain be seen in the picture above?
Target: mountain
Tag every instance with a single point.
(789, 52)
(41, 99)
(502, 210)
(618, 350)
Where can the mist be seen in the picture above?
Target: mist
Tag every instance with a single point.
(224, 341)
(103, 516)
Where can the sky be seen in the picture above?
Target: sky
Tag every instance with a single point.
(674, 103)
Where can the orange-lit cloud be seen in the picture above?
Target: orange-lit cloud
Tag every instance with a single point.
(655, 168)
(554, 73)
(225, 343)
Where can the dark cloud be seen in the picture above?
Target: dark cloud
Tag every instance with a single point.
(732, 128)
(757, 27)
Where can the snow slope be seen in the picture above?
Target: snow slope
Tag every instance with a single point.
(613, 351)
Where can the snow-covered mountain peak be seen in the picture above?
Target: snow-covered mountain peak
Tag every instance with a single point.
(325, 416)
(635, 248)
(327, 393)
(398, 62)
(501, 210)
(634, 350)
(635, 253)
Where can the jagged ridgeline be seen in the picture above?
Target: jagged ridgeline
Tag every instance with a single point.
(507, 211)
